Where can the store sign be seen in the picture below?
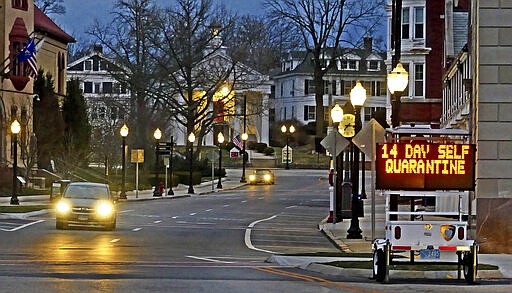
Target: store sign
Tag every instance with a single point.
(425, 166)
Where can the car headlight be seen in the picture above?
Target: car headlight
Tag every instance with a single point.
(252, 177)
(63, 207)
(105, 209)
(267, 177)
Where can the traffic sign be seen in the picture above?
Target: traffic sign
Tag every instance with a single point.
(334, 142)
(164, 148)
(137, 156)
(371, 134)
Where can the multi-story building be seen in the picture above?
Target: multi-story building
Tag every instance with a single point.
(106, 98)
(20, 21)
(421, 32)
(295, 89)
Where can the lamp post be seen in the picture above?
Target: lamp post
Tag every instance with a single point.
(357, 98)
(287, 131)
(157, 135)
(244, 155)
(124, 133)
(220, 141)
(171, 192)
(15, 130)
(336, 116)
(191, 139)
(244, 139)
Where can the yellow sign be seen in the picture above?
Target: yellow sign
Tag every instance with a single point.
(137, 156)
(425, 166)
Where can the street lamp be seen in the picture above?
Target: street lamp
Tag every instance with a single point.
(157, 135)
(245, 136)
(336, 116)
(287, 131)
(124, 133)
(15, 130)
(357, 98)
(220, 141)
(191, 139)
(397, 82)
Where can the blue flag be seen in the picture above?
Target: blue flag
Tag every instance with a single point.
(27, 52)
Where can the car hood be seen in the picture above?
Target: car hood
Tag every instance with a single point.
(84, 202)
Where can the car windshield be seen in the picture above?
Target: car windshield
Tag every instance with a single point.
(262, 171)
(86, 191)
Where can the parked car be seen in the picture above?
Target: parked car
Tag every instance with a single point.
(86, 203)
(265, 176)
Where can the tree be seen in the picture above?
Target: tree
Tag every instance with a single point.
(126, 43)
(77, 132)
(51, 6)
(48, 122)
(326, 26)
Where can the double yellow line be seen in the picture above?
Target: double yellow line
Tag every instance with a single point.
(312, 279)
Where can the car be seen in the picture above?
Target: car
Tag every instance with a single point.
(86, 203)
(265, 176)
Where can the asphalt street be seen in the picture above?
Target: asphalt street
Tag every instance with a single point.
(217, 242)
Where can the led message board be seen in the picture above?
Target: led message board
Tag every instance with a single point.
(425, 166)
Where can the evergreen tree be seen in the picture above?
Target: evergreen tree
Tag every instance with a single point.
(48, 123)
(77, 131)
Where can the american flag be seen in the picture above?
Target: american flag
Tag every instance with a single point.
(238, 142)
(28, 55)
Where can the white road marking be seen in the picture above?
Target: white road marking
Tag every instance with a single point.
(22, 226)
(244, 201)
(290, 207)
(136, 229)
(208, 259)
(226, 205)
(209, 210)
(261, 197)
(175, 217)
(193, 214)
(248, 242)
(125, 211)
(114, 240)
(181, 222)
(158, 221)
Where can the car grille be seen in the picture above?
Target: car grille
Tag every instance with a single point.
(83, 210)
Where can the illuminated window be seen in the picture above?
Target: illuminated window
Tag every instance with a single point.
(309, 112)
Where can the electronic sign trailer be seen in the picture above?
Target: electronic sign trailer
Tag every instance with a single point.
(419, 164)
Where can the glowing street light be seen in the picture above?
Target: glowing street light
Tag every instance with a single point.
(124, 133)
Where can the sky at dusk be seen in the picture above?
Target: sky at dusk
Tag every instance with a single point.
(80, 14)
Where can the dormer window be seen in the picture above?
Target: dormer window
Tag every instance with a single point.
(373, 65)
(349, 64)
(20, 4)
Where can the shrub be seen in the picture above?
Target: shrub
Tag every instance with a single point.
(260, 147)
(268, 151)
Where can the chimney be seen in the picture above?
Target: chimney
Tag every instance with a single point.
(97, 48)
(368, 41)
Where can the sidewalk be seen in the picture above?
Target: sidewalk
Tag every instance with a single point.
(231, 181)
(337, 233)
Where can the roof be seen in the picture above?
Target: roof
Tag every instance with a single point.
(42, 23)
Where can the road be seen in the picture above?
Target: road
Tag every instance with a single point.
(209, 243)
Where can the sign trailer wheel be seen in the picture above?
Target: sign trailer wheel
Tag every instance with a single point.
(470, 264)
(379, 265)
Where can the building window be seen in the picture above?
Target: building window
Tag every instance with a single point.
(309, 113)
(332, 89)
(292, 91)
(88, 87)
(347, 87)
(369, 112)
(309, 87)
(95, 65)
(20, 4)
(405, 22)
(418, 80)
(107, 87)
(418, 22)
(406, 91)
(282, 88)
(294, 114)
(97, 88)
(88, 64)
(349, 64)
(373, 65)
